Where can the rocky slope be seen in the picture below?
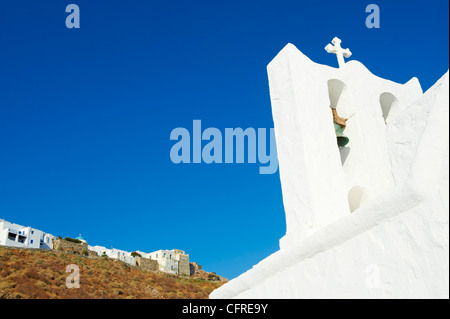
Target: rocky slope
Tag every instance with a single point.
(42, 274)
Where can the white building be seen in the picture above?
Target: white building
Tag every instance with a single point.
(367, 220)
(166, 261)
(173, 261)
(114, 254)
(15, 235)
(143, 254)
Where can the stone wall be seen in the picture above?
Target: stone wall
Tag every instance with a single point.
(196, 271)
(194, 268)
(68, 246)
(183, 265)
(147, 264)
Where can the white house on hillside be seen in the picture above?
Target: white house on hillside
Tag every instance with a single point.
(115, 254)
(173, 261)
(15, 235)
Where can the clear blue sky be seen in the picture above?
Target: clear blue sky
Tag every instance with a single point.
(86, 114)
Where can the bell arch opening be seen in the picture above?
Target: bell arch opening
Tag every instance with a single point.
(357, 196)
(342, 109)
(390, 106)
(340, 98)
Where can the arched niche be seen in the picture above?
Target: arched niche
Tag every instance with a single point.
(390, 106)
(357, 196)
(340, 98)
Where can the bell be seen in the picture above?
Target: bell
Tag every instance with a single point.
(342, 140)
(337, 119)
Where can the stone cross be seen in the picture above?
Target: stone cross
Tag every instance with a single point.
(336, 49)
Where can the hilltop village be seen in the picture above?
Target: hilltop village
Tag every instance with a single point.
(174, 262)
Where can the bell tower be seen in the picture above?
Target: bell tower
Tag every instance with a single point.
(331, 162)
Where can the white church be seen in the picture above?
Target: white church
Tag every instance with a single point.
(363, 164)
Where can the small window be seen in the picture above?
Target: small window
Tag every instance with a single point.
(32, 241)
(357, 196)
(32, 232)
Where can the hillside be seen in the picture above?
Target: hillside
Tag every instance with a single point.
(42, 274)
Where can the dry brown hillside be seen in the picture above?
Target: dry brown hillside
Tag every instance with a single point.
(42, 274)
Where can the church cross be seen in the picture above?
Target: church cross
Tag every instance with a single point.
(336, 49)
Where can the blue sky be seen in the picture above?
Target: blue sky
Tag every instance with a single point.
(86, 114)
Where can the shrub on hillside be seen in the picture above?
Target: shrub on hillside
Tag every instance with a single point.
(135, 254)
(73, 240)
